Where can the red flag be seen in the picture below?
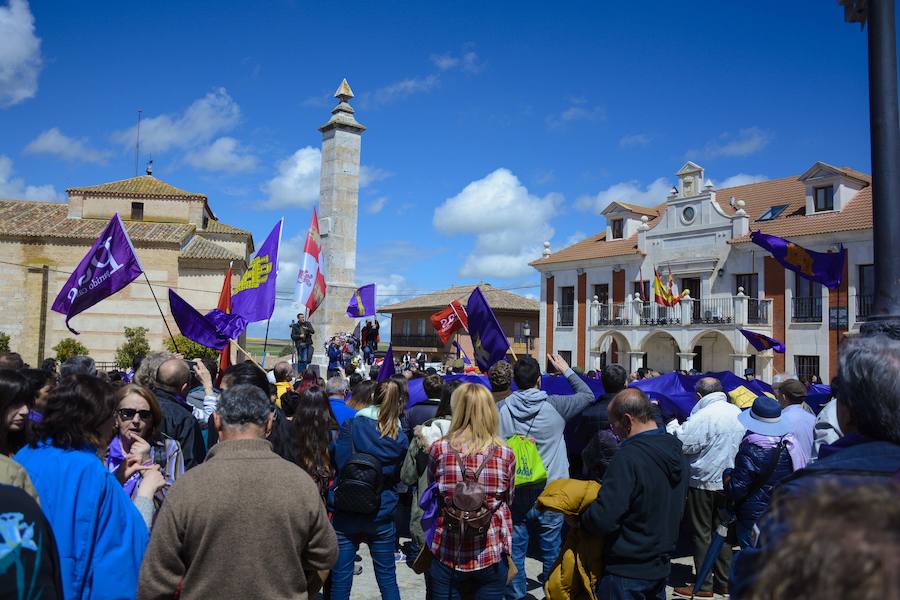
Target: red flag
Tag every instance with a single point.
(310, 289)
(447, 321)
(225, 306)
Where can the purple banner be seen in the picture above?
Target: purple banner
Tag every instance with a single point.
(109, 265)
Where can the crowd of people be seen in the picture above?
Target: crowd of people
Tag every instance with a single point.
(172, 480)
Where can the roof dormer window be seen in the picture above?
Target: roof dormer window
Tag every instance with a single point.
(824, 198)
(618, 229)
(772, 213)
(137, 211)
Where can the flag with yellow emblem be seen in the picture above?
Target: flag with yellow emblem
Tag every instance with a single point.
(362, 302)
(254, 296)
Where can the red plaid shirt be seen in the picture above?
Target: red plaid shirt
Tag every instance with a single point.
(498, 479)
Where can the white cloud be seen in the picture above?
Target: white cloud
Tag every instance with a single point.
(626, 191)
(20, 54)
(16, 188)
(199, 123)
(578, 110)
(634, 140)
(369, 175)
(741, 179)
(297, 180)
(746, 142)
(224, 154)
(468, 61)
(56, 143)
(509, 223)
(399, 90)
(376, 206)
(575, 238)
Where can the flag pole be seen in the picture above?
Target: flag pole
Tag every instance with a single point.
(266, 342)
(174, 343)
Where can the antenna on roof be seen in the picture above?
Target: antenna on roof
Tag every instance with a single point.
(137, 143)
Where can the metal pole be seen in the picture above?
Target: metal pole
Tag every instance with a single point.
(885, 132)
(174, 343)
(266, 342)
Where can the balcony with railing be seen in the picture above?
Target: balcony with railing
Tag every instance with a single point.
(806, 310)
(714, 310)
(864, 306)
(565, 316)
(719, 310)
(417, 341)
(758, 311)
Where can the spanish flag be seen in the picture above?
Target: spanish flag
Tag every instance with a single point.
(663, 295)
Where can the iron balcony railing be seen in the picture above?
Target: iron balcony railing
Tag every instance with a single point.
(864, 306)
(807, 310)
(565, 316)
(417, 341)
(714, 310)
(758, 311)
(656, 314)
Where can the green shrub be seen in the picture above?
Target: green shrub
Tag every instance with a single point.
(69, 347)
(136, 344)
(189, 349)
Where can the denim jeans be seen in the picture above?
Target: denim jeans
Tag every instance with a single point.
(304, 355)
(547, 525)
(616, 587)
(484, 584)
(380, 536)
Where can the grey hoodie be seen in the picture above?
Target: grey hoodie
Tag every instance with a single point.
(546, 416)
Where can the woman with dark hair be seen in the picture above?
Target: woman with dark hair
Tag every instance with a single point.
(100, 534)
(15, 400)
(139, 441)
(374, 431)
(315, 429)
(40, 382)
(361, 395)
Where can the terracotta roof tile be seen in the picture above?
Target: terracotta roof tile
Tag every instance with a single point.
(203, 248)
(141, 186)
(592, 247)
(214, 226)
(25, 218)
(497, 298)
(640, 210)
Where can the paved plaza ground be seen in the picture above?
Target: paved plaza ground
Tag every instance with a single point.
(412, 586)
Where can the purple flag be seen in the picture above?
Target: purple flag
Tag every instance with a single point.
(387, 367)
(762, 342)
(203, 329)
(488, 339)
(362, 302)
(109, 265)
(254, 296)
(825, 267)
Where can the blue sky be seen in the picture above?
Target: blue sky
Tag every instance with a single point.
(544, 111)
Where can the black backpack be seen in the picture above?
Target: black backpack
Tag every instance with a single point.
(359, 484)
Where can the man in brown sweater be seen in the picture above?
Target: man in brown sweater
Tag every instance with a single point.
(244, 524)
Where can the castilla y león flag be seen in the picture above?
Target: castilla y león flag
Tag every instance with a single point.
(109, 265)
(446, 322)
(310, 288)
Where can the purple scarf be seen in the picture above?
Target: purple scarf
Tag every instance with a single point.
(174, 465)
(798, 457)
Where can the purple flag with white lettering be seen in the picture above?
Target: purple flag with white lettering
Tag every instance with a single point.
(109, 265)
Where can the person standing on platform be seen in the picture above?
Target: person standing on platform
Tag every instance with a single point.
(302, 333)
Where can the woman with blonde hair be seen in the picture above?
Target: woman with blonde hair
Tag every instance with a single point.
(475, 473)
(369, 451)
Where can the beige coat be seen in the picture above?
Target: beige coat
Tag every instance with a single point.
(14, 474)
(244, 524)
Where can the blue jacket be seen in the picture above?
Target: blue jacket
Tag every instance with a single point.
(100, 534)
(858, 461)
(341, 411)
(390, 451)
(750, 464)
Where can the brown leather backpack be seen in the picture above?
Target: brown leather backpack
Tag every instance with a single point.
(467, 510)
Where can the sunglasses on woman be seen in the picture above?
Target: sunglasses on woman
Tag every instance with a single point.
(127, 414)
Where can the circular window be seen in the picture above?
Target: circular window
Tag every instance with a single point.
(687, 215)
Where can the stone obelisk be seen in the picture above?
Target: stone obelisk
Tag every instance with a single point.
(338, 208)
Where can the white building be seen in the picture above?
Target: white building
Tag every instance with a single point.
(592, 311)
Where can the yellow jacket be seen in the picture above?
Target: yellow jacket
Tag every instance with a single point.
(580, 562)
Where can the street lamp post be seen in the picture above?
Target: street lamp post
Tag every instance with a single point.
(526, 333)
(885, 143)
